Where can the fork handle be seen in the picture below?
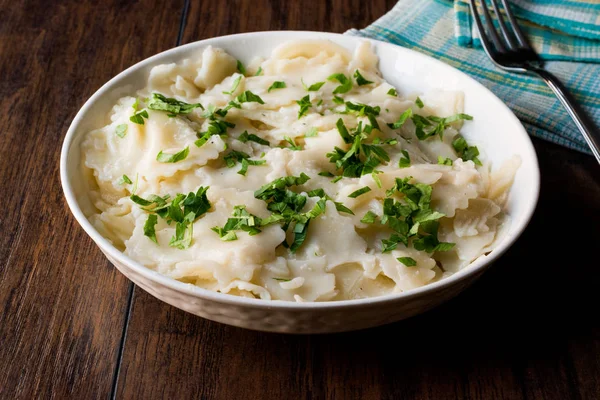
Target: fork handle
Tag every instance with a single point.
(585, 125)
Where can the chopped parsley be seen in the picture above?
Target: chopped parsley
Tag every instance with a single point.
(312, 88)
(259, 71)
(282, 279)
(359, 192)
(432, 125)
(245, 137)
(444, 161)
(238, 156)
(312, 132)
(392, 92)
(276, 85)
(338, 100)
(121, 130)
(402, 119)
(182, 209)
(138, 117)
(361, 158)
(369, 218)
(465, 151)
(293, 146)
(215, 127)
(404, 161)
(173, 158)
(419, 102)
(150, 227)
(124, 179)
(234, 85)
(345, 83)
(407, 261)
(174, 107)
(249, 97)
(241, 68)
(360, 80)
(242, 220)
(304, 104)
(326, 174)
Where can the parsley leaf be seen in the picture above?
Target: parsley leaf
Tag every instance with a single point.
(249, 97)
(238, 156)
(149, 227)
(293, 145)
(360, 80)
(172, 106)
(241, 68)
(138, 117)
(326, 174)
(245, 137)
(369, 218)
(234, 85)
(312, 132)
(121, 130)
(304, 104)
(277, 85)
(343, 131)
(314, 87)
(444, 161)
(392, 92)
(402, 119)
(404, 161)
(338, 100)
(259, 71)
(173, 158)
(359, 192)
(346, 84)
(242, 220)
(124, 179)
(419, 102)
(215, 127)
(465, 151)
(407, 261)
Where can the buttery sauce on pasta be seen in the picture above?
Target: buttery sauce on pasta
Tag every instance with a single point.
(390, 204)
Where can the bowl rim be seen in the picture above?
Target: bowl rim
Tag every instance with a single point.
(479, 265)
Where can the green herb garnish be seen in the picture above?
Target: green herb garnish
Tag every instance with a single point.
(465, 151)
(360, 80)
(241, 68)
(277, 85)
(245, 137)
(346, 84)
(124, 179)
(149, 227)
(444, 161)
(249, 97)
(138, 117)
(404, 161)
(304, 104)
(293, 145)
(402, 119)
(121, 130)
(359, 192)
(173, 158)
(407, 261)
(172, 106)
(392, 92)
(369, 218)
(234, 85)
(419, 102)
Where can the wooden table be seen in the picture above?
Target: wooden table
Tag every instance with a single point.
(71, 326)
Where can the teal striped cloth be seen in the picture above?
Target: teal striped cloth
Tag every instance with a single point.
(566, 33)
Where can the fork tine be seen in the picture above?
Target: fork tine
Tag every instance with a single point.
(515, 26)
(490, 25)
(487, 45)
(512, 44)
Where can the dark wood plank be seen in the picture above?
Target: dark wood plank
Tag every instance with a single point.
(62, 305)
(528, 329)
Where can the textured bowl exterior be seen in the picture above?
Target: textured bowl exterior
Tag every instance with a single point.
(495, 130)
(295, 320)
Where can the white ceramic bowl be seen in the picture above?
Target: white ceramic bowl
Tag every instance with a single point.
(495, 129)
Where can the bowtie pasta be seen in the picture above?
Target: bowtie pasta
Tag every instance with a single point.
(301, 177)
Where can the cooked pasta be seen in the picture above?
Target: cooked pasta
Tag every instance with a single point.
(301, 177)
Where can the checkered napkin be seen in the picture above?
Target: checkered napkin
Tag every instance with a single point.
(566, 33)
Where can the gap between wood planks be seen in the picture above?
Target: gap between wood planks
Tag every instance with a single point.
(115, 382)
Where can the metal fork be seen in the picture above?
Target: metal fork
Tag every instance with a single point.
(514, 54)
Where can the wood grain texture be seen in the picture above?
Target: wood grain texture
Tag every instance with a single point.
(62, 305)
(528, 330)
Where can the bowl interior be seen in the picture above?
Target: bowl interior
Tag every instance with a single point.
(495, 130)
